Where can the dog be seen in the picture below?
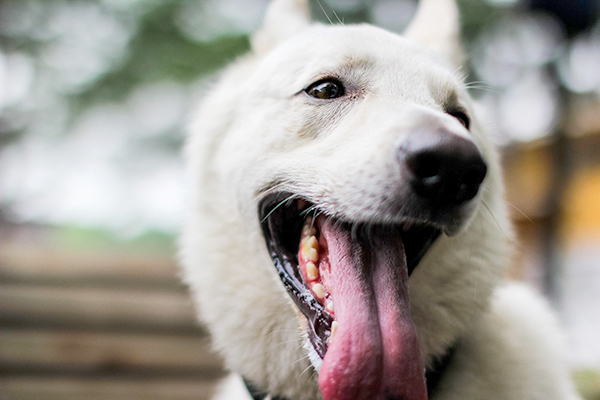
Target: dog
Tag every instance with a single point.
(347, 236)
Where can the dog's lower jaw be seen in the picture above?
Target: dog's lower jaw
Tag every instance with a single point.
(376, 352)
(315, 360)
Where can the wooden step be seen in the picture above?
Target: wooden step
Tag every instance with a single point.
(44, 388)
(91, 307)
(27, 263)
(71, 352)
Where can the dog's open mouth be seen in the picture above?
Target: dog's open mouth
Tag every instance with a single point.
(350, 280)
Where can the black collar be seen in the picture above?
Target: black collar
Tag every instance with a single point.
(433, 376)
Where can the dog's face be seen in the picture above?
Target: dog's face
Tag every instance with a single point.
(348, 211)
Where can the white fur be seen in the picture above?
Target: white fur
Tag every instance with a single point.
(231, 388)
(516, 351)
(253, 128)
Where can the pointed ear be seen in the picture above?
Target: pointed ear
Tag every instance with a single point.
(436, 25)
(284, 18)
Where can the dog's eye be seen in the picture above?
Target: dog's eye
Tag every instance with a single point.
(326, 89)
(462, 117)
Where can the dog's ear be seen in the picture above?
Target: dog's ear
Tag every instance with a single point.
(437, 25)
(284, 18)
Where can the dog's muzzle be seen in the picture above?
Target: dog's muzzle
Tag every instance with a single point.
(349, 277)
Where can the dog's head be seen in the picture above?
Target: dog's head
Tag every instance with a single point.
(348, 215)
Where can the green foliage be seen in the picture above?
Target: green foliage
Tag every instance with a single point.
(159, 50)
(85, 240)
(588, 383)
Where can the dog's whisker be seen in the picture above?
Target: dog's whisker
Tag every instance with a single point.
(354, 231)
(280, 186)
(484, 89)
(514, 207)
(459, 74)
(331, 22)
(487, 207)
(308, 210)
(276, 331)
(519, 210)
(337, 17)
(305, 370)
(324, 12)
(299, 347)
(301, 359)
(282, 202)
(316, 213)
(471, 250)
(480, 85)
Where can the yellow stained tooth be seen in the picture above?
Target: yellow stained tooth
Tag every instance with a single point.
(308, 231)
(306, 252)
(312, 242)
(329, 307)
(334, 326)
(308, 228)
(318, 290)
(312, 254)
(309, 248)
(312, 272)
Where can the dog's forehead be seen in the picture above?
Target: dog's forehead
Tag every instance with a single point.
(338, 51)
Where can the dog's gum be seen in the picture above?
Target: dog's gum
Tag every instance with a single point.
(318, 290)
(312, 272)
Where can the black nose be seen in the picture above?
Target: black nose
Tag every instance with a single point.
(442, 167)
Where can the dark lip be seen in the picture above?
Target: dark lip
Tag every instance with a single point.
(281, 222)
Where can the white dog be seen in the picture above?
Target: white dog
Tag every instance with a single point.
(348, 237)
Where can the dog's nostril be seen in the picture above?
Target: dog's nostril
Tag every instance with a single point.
(425, 165)
(472, 179)
(443, 168)
(470, 182)
(425, 168)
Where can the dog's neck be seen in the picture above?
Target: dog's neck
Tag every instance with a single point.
(433, 376)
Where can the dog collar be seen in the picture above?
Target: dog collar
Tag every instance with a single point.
(433, 377)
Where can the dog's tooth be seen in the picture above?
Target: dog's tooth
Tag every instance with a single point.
(334, 326)
(307, 222)
(318, 290)
(312, 242)
(309, 252)
(304, 249)
(309, 248)
(312, 254)
(312, 272)
(308, 229)
(330, 307)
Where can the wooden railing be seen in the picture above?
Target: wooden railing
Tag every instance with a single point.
(102, 326)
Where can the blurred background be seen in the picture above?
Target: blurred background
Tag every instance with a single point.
(94, 99)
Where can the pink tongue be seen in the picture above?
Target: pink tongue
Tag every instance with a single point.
(375, 351)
